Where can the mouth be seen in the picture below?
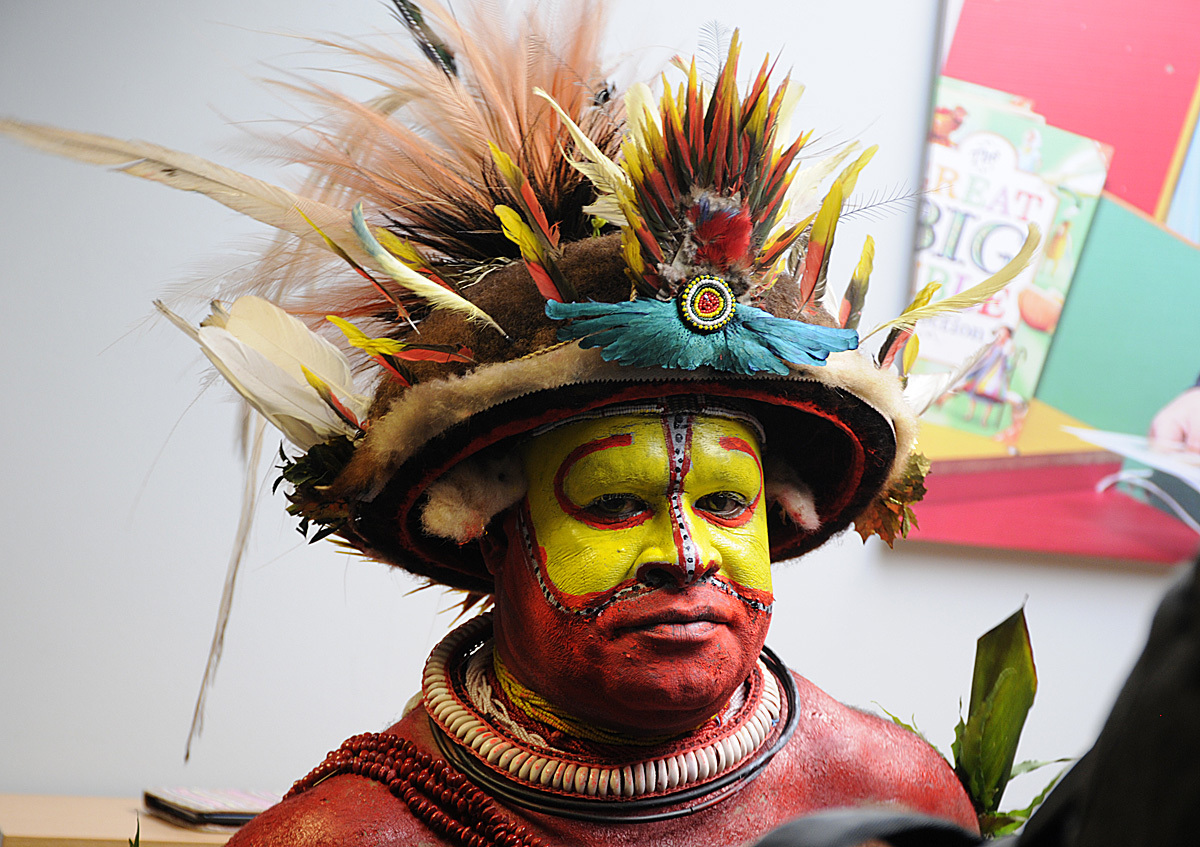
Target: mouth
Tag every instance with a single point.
(680, 623)
(679, 631)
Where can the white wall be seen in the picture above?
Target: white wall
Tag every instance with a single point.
(120, 494)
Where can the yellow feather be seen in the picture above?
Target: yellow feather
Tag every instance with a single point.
(520, 233)
(850, 175)
(508, 168)
(923, 297)
(866, 262)
(910, 355)
(398, 247)
(434, 294)
(974, 295)
(612, 179)
(357, 338)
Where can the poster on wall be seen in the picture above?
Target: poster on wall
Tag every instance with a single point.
(1125, 346)
(1118, 336)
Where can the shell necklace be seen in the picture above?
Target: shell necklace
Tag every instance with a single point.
(478, 735)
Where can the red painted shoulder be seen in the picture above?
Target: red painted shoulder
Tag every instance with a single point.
(837, 757)
(840, 756)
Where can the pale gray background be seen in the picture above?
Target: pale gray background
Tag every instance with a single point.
(120, 496)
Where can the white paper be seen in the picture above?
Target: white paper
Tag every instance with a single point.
(1180, 463)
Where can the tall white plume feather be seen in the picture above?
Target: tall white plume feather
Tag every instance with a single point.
(248, 195)
(640, 110)
(245, 522)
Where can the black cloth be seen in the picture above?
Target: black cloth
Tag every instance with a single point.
(847, 827)
(1140, 782)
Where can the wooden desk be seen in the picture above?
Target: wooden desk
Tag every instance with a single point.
(34, 820)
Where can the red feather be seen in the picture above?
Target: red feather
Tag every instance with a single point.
(399, 374)
(545, 285)
(550, 233)
(722, 237)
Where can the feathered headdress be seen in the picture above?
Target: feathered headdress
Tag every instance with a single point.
(503, 235)
(512, 244)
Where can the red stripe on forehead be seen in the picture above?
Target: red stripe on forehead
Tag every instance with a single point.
(740, 445)
(620, 439)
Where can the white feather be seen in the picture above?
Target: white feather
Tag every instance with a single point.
(641, 111)
(804, 195)
(245, 522)
(787, 110)
(288, 342)
(260, 354)
(923, 390)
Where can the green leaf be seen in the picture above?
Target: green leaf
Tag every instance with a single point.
(1005, 823)
(911, 727)
(1041, 798)
(956, 749)
(1030, 765)
(1002, 691)
(137, 834)
(1000, 823)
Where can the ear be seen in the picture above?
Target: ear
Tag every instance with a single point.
(495, 540)
(784, 488)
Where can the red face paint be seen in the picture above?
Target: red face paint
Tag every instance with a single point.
(659, 645)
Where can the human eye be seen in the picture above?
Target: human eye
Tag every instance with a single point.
(613, 508)
(725, 505)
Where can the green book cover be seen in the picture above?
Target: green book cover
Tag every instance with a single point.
(1129, 338)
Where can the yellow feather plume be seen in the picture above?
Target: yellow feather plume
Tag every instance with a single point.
(434, 294)
(974, 295)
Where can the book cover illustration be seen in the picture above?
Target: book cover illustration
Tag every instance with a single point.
(1125, 346)
(994, 167)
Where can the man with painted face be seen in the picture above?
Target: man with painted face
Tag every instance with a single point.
(610, 396)
(639, 589)
(619, 691)
(617, 473)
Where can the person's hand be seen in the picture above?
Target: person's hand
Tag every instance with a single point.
(1177, 424)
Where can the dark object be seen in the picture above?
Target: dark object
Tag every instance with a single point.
(1140, 782)
(847, 827)
(197, 807)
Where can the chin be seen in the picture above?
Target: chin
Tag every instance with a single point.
(650, 685)
(677, 699)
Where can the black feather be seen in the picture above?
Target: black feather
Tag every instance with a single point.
(433, 47)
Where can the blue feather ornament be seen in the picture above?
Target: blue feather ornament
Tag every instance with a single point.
(649, 333)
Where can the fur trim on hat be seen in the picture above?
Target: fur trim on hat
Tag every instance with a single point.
(428, 409)
(783, 488)
(464, 500)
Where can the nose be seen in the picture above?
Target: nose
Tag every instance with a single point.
(684, 568)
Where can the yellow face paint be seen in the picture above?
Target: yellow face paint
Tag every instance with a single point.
(676, 497)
